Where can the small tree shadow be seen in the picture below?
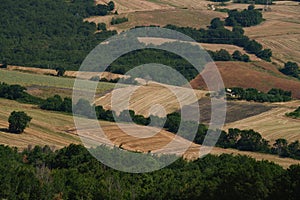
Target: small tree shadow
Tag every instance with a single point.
(5, 130)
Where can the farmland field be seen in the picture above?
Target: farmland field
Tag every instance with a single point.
(57, 130)
(260, 75)
(272, 124)
(45, 85)
(145, 97)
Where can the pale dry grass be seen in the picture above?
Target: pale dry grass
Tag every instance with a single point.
(273, 124)
(144, 99)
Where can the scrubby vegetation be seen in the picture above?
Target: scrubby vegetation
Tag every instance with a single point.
(72, 173)
(252, 94)
(245, 18)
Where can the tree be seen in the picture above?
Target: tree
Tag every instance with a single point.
(60, 71)
(237, 55)
(222, 55)
(216, 23)
(238, 29)
(111, 6)
(265, 54)
(101, 27)
(251, 7)
(4, 64)
(18, 121)
(291, 69)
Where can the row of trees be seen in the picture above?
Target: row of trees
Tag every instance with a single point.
(218, 34)
(72, 173)
(223, 55)
(252, 94)
(264, 2)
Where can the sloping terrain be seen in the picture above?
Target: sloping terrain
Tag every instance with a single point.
(45, 86)
(261, 75)
(280, 32)
(235, 110)
(273, 124)
(212, 47)
(159, 12)
(57, 130)
(145, 99)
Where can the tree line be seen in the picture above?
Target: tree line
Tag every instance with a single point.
(218, 34)
(224, 55)
(247, 140)
(72, 173)
(263, 2)
(252, 94)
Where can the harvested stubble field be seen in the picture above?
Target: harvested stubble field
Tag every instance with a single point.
(160, 12)
(280, 32)
(273, 124)
(145, 97)
(57, 130)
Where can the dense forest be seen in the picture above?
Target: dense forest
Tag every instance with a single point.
(72, 173)
(49, 33)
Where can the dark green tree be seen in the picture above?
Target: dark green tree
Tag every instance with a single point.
(101, 27)
(216, 23)
(265, 54)
(291, 69)
(60, 71)
(18, 121)
(111, 6)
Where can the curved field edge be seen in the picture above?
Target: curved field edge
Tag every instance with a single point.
(57, 130)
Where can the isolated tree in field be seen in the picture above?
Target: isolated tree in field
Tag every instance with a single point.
(18, 121)
(60, 71)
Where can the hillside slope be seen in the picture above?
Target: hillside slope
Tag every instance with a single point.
(261, 75)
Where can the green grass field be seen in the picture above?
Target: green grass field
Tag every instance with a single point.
(45, 86)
